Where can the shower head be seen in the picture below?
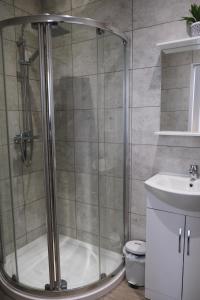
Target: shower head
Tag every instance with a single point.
(56, 30)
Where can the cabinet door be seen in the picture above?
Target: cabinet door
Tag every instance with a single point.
(191, 276)
(164, 258)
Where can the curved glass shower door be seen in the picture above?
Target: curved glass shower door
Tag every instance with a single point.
(88, 95)
(111, 175)
(76, 132)
(63, 141)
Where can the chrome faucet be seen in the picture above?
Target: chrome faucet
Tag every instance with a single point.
(194, 172)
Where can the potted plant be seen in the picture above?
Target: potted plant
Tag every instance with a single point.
(193, 21)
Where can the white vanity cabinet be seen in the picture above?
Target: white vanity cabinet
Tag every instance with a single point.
(191, 272)
(164, 256)
(172, 259)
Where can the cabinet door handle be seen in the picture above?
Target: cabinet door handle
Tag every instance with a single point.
(179, 239)
(188, 241)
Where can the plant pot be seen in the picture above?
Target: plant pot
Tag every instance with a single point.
(195, 29)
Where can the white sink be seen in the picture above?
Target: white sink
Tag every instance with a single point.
(176, 190)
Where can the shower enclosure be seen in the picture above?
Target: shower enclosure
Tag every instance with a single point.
(63, 155)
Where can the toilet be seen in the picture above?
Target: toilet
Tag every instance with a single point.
(134, 253)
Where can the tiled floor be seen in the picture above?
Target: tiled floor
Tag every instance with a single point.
(124, 292)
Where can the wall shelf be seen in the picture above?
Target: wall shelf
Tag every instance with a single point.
(177, 133)
(191, 43)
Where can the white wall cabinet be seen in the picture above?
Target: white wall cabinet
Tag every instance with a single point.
(172, 259)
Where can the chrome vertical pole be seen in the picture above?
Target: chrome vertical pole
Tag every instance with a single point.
(48, 126)
(126, 141)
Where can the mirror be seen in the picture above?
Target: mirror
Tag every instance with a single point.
(180, 91)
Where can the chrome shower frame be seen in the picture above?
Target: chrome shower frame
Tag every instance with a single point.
(18, 290)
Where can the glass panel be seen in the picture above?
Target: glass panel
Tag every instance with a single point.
(111, 160)
(75, 93)
(8, 247)
(24, 125)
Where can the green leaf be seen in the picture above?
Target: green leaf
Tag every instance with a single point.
(195, 12)
(189, 20)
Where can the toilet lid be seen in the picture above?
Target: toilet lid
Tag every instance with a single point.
(136, 247)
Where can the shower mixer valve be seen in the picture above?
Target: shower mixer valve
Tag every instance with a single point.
(23, 139)
(25, 136)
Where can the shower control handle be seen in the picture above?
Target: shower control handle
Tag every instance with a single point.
(25, 137)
